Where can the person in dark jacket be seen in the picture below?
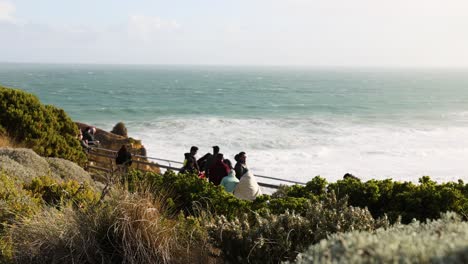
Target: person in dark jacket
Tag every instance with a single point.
(218, 170)
(124, 157)
(211, 160)
(202, 161)
(190, 162)
(241, 167)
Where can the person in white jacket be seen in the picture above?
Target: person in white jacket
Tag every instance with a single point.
(247, 188)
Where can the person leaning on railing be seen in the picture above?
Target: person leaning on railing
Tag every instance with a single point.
(190, 162)
(124, 157)
(241, 166)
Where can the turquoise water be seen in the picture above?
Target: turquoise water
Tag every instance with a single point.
(295, 122)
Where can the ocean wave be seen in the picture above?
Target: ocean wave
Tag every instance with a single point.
(299, 149)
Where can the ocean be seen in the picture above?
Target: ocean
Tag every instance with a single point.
(293, 122)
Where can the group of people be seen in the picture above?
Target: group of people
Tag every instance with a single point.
(212, 167)
(218, 170)
(86, 137)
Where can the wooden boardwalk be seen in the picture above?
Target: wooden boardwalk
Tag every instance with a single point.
(104, 160)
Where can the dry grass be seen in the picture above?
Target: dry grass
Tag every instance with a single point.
(8, 142)
(127, 228)
(146, 234)
(5, 141)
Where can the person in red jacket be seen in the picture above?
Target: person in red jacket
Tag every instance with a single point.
(218, 170)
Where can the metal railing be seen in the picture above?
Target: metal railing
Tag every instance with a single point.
(170, 167)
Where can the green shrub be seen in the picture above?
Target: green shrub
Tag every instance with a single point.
(441, 241)
(281, 205)
(426, 200)
(270, 238)
(189, 193)
(44, 128)
(6, 250)
(54, 193)
(315, 188)
(15, 202)
(120, 129)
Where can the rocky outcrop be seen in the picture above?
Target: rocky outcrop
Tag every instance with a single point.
(114, 142)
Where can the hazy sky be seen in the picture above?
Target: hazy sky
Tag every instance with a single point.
(384, 33)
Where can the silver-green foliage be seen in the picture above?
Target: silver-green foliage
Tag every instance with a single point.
(24, 165)
(441, 241)
(269, 238)
(68, 170)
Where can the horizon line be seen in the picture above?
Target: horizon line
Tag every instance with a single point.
(246, 65)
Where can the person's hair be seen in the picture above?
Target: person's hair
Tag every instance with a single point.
(242, 153)
(236, 157)
(216, 149)
(228, 162)
(193, 148)
(219, 156)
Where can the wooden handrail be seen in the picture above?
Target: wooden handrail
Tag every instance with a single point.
(267, 185)
(139, 156)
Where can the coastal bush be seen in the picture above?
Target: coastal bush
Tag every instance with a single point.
(54, 193)
(15, 202)
(67, 170)
(44, 128)
(23, 163)
(270, 238)
(315, 188)
(426, 200)
(120, 129)
(189, 193)
(281, 205)
(440, 241)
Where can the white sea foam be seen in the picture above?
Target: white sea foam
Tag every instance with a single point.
(299, 149)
